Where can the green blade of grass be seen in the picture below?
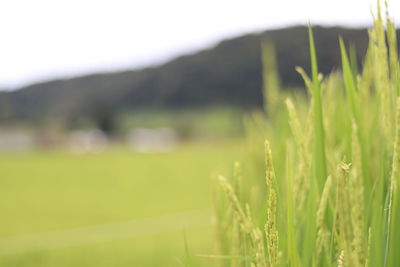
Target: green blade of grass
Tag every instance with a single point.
(353, 102)
(353, 59)
(319, 160)
(270, 77)
(294, 259)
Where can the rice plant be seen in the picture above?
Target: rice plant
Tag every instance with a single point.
(328, 191)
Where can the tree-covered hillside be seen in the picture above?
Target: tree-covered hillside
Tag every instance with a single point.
(228, 74)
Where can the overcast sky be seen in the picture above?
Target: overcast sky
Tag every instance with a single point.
(44, 39)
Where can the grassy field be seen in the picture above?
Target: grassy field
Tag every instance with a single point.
(117, 208)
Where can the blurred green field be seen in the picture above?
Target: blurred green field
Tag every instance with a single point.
(118, 208)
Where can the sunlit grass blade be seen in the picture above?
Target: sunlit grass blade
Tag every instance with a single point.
(354, 104)
(319, 159)
(293, 257)
(307, 80)
(353, 59)
(270, 78)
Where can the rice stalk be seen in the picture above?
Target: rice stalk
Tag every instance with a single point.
(341, 259)
(245, 222)
(382, 85)
(393, 54)
(270, 227)
(393, 192)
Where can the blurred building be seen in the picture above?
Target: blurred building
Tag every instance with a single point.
(151, 140)
(16, 140)
(87, 141)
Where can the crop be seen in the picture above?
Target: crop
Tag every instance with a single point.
(329, 195)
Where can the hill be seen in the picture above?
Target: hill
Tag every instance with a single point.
(227, 74)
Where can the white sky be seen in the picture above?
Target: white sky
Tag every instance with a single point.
(44, 39)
